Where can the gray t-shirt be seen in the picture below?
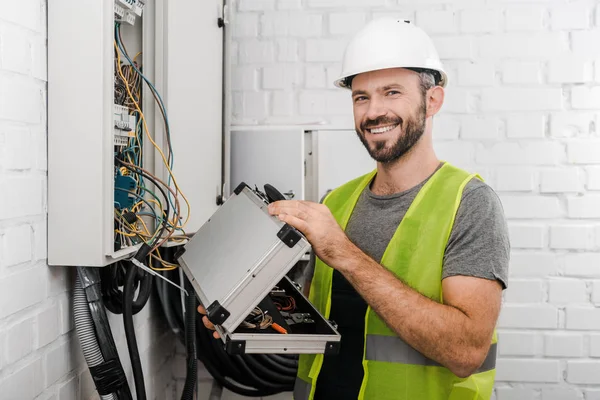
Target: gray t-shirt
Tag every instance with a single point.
(478, 245)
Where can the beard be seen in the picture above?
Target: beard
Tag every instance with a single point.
(411, 131)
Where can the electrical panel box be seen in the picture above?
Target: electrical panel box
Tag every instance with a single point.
(94, 105)
(237, 263)
(120, 122)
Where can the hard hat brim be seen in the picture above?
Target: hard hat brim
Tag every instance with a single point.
(341, 82)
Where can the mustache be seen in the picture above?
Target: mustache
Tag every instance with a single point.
(383, 120)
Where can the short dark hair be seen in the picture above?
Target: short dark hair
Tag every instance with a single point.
(428, 77)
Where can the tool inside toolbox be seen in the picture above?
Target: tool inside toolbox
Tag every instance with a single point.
(284, 310)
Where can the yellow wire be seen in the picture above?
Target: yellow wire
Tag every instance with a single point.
(168, 266)
(144, 224)
(150, 137)
(125, 233)
(136, 205)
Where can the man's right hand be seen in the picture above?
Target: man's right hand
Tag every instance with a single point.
(207, 323)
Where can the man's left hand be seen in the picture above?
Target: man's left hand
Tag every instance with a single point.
(315, 221)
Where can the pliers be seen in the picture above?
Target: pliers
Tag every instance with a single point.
(297, 318)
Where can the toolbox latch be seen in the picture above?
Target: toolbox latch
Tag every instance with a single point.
(217, 314)
(289, 235)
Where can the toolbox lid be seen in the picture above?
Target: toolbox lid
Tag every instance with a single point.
(239, 255)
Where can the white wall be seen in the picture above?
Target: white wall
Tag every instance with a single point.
(521, 110)
(39, 351)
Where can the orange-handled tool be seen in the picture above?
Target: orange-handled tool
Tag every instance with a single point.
(279, 328)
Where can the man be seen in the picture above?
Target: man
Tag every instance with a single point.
(411, 259)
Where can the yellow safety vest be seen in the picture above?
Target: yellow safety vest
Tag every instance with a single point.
(392, 368)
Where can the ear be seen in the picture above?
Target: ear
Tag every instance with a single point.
(435, 100)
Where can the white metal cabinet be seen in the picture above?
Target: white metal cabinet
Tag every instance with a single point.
(268, 155)
(311, 158)
(341, 157)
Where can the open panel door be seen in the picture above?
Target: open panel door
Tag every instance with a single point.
(193, 74)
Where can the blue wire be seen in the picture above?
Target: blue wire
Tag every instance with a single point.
(168, 132)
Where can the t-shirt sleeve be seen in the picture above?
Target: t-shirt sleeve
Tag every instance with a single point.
(479, 244)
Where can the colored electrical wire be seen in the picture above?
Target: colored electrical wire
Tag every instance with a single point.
(168, 164)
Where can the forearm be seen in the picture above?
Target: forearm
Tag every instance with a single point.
(440, 332)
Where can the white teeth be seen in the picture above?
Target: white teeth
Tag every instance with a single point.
(384, 129)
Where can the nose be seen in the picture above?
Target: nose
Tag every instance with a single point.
(376, 108)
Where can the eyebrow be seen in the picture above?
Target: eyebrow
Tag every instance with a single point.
(355, 92)
(392, 86)
(383, 89)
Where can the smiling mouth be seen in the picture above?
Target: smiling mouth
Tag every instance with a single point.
(382, 129)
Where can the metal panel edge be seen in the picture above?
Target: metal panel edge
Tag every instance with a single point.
(77, 192)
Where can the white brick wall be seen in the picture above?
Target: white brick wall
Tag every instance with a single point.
(40, 357)
(521, 108)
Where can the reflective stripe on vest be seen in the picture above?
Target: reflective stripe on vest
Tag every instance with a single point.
(301, 389)
(394, 349)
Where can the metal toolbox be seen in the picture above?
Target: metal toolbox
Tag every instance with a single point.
(238, 261)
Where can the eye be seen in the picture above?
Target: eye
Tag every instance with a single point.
(360, 98)
(393, 93)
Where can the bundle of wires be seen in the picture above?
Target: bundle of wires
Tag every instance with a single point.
(152, 219)
(285, 303)
(253, 375)
(258, 319)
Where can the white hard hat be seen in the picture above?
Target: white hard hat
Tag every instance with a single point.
(390, 43)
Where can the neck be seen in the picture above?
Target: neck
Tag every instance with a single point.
(408, 171)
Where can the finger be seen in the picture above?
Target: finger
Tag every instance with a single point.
(201, 310)
(310, 204)
(296, 212)
(207, 323)
(296, 222)
(216, 335)
(284, 204)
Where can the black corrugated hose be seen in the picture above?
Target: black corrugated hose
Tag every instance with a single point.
(246, 375)
(190, 338)
(136, 364)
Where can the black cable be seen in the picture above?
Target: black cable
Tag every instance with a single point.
(190, 338)
(246, 363)
(112, 277)
(267, 378)
(277, 367)
(145, 286)
(146, 202)
(157, 185)
(136, 364)
(288, 362)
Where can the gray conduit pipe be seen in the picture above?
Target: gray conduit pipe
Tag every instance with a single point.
(85, 330)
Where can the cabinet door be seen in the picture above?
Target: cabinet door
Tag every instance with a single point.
(268, 155)
(341, 157)
(194, 97)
